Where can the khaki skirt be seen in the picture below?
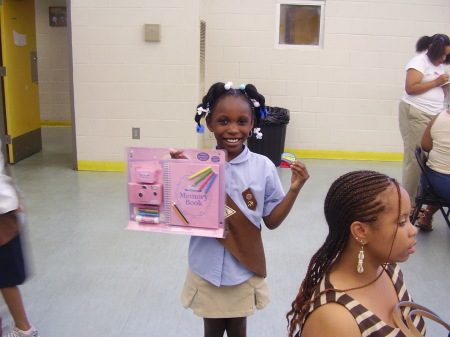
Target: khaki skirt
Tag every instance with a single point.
(209, 301)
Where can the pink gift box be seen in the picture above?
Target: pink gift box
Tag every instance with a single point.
(176, 196)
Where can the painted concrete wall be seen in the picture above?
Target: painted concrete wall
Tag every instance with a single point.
(121, 81)
(53, 64)
(342, 97)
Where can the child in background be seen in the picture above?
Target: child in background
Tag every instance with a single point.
(353, 282)
(12, 266)
(226, 277)
(426, 85)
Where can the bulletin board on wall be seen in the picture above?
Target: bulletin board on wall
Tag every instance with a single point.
(57, 16)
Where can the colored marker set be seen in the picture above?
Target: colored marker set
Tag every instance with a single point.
(179, 196)
(146, 214)
(204, 177)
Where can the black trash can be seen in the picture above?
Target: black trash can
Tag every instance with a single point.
(273, 128)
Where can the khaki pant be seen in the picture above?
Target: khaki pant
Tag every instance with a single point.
(209, 301)
(412, 123)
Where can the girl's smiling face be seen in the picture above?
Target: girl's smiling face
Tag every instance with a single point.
(231, 122)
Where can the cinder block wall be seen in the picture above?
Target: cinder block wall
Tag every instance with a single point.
(53, 64)
(342, 97)
(121, 81)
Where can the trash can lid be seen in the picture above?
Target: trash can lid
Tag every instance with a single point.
(276, 116)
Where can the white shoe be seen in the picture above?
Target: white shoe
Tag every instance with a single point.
(19, 333)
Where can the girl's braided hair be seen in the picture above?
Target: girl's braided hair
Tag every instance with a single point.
(352, 197)
(435, 45)
(220, 90)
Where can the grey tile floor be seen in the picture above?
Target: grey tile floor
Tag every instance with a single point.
(91, 277)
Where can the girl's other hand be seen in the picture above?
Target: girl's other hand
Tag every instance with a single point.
(299, 176)
(177, 154)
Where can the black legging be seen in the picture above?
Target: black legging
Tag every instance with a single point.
(216, 327)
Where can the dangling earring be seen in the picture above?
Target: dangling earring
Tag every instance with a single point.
(250, 133)
(210, 135)
(360, 267)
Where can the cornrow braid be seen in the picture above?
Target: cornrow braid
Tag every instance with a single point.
(218, 91)
(352, 197)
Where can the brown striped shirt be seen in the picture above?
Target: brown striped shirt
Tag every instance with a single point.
(369, 324)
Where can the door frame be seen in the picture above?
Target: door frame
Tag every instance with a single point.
(71, 89)
(4, 147)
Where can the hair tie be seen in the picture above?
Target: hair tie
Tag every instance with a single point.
(258, 133)
(255, 103)
(242, 87)
(201, 110)
(200, 128)
(228, 85)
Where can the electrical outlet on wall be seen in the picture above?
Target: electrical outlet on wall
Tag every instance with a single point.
(136, 133)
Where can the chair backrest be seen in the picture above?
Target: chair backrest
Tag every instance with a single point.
(422, 161)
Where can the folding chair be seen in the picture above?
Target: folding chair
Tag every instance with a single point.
(426, 194)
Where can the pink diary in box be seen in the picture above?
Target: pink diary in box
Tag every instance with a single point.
(178, 196)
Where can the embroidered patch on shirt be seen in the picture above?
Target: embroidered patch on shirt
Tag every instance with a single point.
(249, 199)
(229, 211)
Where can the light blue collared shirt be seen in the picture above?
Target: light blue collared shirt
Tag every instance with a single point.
(207, 256)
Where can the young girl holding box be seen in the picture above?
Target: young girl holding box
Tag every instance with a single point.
(226, 277)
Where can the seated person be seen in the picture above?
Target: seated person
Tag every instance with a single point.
(436, 141)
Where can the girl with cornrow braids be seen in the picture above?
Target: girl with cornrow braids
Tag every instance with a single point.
(225, 281)
(353, 282)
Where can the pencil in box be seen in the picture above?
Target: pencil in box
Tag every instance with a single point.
(177, 210)
(200, 172)
(203, 176)
(210, 183)
(204, 182)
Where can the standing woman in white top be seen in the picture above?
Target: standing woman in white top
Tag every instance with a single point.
(423, 98)
(436, 141)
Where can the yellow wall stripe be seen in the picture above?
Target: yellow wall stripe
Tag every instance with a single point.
(110, 166)
(348, 155)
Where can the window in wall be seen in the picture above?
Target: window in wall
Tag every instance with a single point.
(300, 23)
